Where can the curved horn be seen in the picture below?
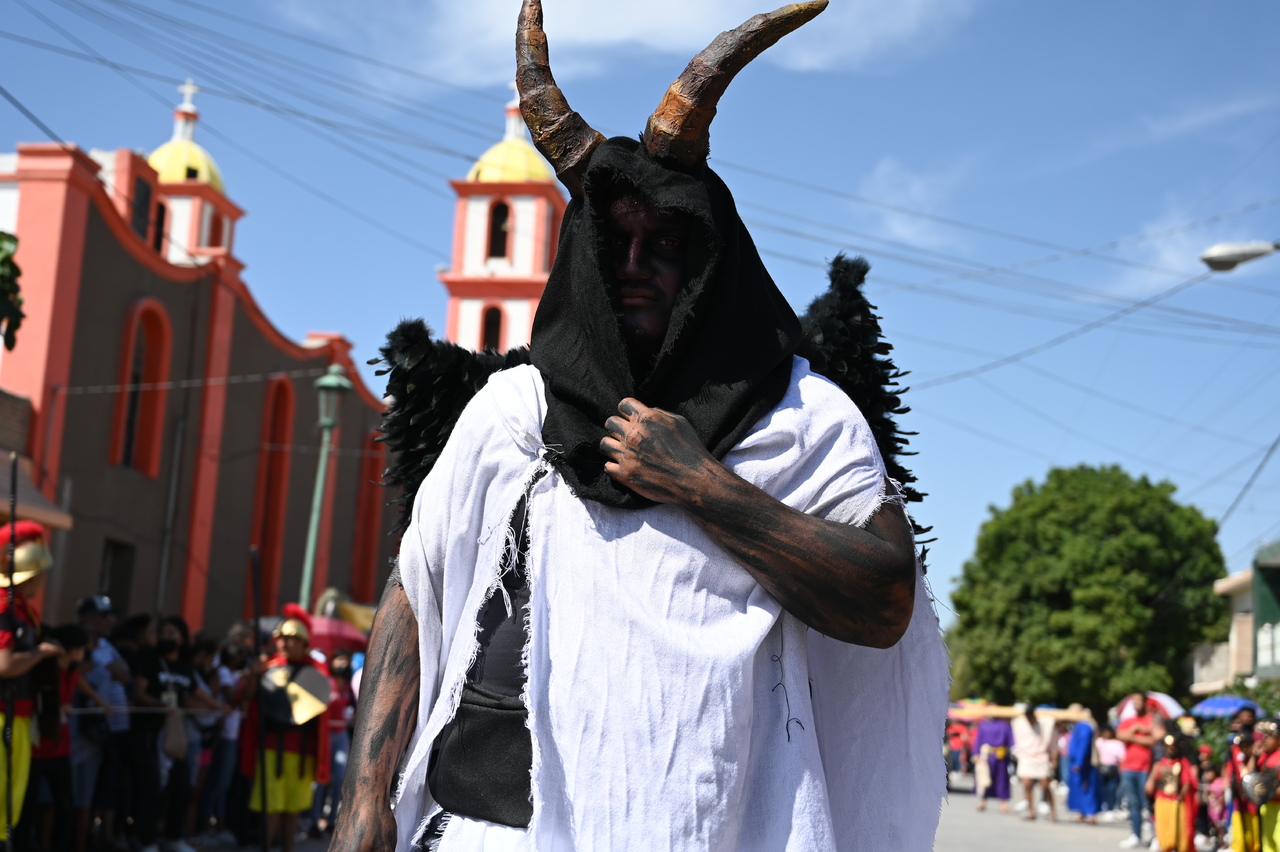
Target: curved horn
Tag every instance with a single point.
(562, 135)
(680, 129)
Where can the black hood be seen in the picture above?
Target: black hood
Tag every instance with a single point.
(726, 359)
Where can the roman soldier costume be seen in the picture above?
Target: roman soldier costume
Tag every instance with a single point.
(19, 623)
(290, 707)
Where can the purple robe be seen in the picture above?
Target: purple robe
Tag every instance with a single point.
(998, 734)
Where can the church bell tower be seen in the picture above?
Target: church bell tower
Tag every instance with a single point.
(504, 240)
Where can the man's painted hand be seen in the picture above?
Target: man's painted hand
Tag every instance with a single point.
(653, 452)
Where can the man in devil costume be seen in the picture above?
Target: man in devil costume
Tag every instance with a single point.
(657, 590)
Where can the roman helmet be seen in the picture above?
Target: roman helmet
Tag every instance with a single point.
(31, 556)
(296, 622)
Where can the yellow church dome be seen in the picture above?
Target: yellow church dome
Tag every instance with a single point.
(514, 159)
(181, 158)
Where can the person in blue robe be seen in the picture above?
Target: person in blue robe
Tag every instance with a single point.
(1083, 782)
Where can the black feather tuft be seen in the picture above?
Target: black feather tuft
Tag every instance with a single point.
(843, 341)
(429, 383)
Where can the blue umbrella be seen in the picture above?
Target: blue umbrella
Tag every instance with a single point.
(1221, 706)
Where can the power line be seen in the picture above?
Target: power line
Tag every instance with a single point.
(1253, 477)
(1117, 401)
(53, 137)
(256, 55)
(189, 55)
(379, 63)
(951, 260)
(279, 172)
(400, 138)
(1076, 433)
(1063, 338)
(1063, 252)
(186, 384)
(31, 116)
(982, 433)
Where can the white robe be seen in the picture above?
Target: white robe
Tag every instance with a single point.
(673, 704)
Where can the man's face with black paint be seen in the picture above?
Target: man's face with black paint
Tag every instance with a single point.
(648, 249)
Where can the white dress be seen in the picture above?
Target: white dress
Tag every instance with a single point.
(1031, 745)
(673, 704)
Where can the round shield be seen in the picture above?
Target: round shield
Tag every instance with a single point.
(290, 697)
(1260, 787)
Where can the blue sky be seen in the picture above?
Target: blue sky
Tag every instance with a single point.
(970, 149)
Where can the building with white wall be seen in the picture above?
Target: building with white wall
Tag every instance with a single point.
(504, 240)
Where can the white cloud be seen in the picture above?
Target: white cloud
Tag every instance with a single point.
(1149, 130)
(472, 43)
(895, 183)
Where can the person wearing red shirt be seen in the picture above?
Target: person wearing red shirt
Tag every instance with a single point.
(19, 650)
(1173, 783)
(957, 742)
(1138, 734)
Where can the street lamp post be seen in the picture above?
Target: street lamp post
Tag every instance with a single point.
(329, 390)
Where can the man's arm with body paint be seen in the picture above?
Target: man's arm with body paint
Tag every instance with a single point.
(386, 715)
(850, 583)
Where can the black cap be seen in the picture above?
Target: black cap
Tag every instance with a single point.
(96, 605)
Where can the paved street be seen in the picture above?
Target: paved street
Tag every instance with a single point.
(963, 829)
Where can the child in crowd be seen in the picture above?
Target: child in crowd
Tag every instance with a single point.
(1215, 802)
(1173, 784)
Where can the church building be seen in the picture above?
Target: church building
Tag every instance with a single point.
(504, 241)
(157, 408)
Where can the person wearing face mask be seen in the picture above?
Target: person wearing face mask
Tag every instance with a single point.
(165, 680)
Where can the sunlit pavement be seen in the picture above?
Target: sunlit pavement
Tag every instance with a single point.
(963, 829)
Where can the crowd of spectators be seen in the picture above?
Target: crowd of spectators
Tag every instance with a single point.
(139, 726)
(1157, 775)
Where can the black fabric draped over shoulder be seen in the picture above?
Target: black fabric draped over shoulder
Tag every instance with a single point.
(726, 359)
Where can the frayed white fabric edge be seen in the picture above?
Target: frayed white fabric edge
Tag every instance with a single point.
(495, 585)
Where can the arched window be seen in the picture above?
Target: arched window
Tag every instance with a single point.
(492, 332)
(138, 434)
(499, 228)
(369, 531)
(272, 496)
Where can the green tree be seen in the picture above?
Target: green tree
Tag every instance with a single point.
(11, 314)
(1089, 586)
